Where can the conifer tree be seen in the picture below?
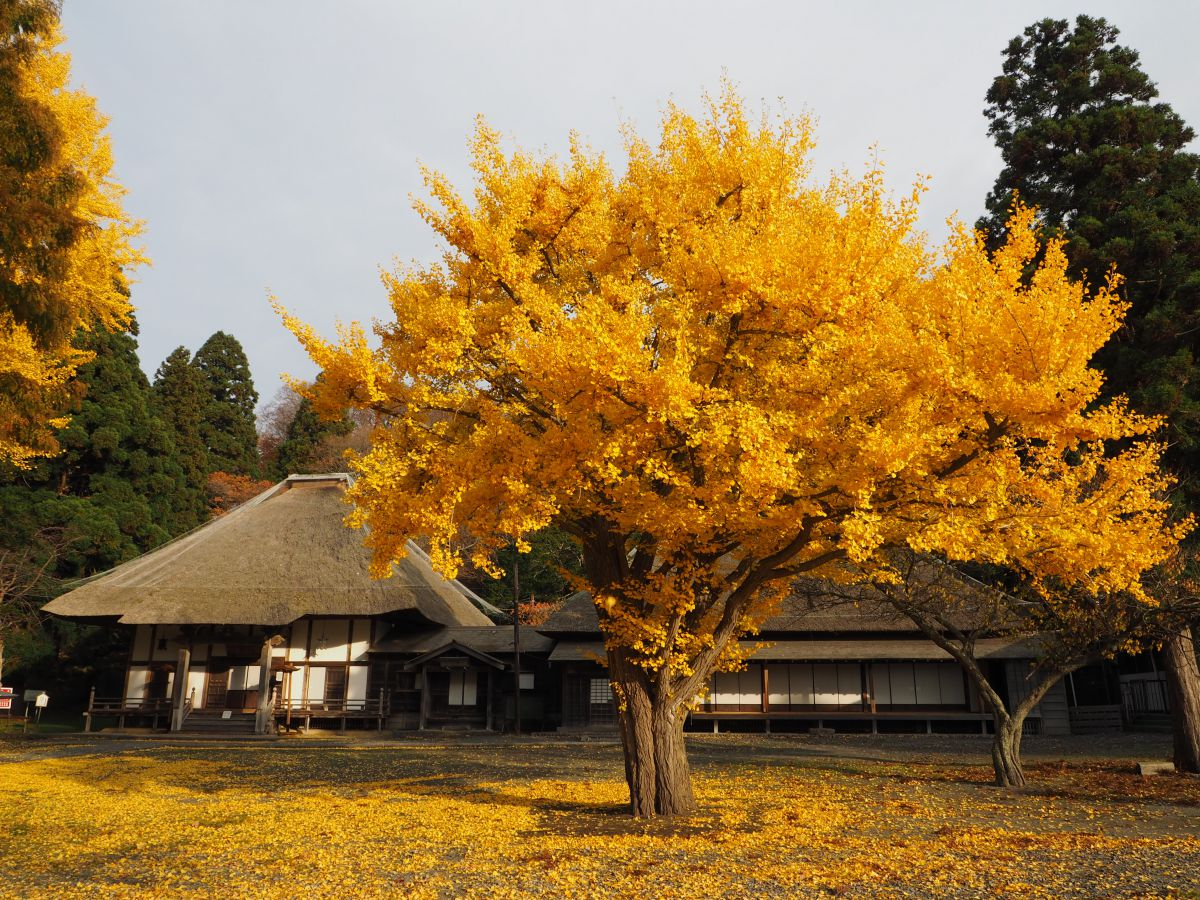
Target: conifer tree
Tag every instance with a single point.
(305, 435)
(116, 488)
(179, 399)
(1085, 140)
(227, 428)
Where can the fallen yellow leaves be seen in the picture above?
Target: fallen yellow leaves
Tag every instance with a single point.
(514, 821)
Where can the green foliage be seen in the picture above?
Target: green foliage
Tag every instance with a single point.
(545, 570)
(116, 490)
(306, 433)
(1084, 139)
(179, 400)
(227, 427)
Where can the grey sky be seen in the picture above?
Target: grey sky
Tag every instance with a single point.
(273, 145)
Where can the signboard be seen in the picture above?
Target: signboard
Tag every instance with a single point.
(42, 701)
(31, 696)
(6, 698)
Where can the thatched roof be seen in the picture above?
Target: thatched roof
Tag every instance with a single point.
(821, 650)
(497, 639)
(283, 555)
(813, 607)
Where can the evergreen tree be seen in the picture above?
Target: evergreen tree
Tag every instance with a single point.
(115, 490)
(298, 453)
(1084, 140)
(179, 399)
(227, 428)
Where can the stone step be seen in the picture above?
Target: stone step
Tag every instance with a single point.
(214, 722)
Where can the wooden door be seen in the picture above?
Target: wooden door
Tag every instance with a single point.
(218, 689)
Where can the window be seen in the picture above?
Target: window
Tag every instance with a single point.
(462, 689)
(601, 691)
(527, 681)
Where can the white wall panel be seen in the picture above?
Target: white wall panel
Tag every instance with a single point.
(929, 684)
(904, 685)
(135, 684)
(881, 681)
(825, 684)
(778, 692)
(953, 690)
(356, 686)
(298, 640)
(329, 640)
(362, 640)
(800, 683)
(726, 689)
(195, 683)
(750, 686)
(316, 684)
(849, 683)
(141, 642)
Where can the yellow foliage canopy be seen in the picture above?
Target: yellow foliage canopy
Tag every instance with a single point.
(66, 248)
(731, 376)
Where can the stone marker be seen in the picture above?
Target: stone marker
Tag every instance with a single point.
(1156, 768)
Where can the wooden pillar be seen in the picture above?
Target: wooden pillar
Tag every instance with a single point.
(488, 725)
(264, 713)
(179, 691)
(87, 716)
(424, 699)
(766, 690)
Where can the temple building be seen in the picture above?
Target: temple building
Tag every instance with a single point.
(267, 619)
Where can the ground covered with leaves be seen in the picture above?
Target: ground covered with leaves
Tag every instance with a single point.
(781, 817)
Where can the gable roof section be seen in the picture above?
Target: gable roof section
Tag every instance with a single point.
(283, 555)
(813, 607)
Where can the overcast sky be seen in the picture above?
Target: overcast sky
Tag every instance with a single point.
(273, 146)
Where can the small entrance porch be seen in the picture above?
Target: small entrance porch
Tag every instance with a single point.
(457, 688)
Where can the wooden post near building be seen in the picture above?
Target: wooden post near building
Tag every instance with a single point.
(179, 692)
(263, 715)
(424, 698)
(516, 647)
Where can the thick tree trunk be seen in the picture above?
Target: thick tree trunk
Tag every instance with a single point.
(1006, 750)
(1183, 680)
(1, 660)
(656, 766)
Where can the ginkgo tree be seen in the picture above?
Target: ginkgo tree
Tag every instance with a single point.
(66, 242)
(718, 375)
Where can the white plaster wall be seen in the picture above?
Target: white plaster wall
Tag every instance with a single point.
(298, 641)
(356, 684)
(316, 684)
(296, 687)
(329, 637)
(141, 642)
(135, 684)
(362, 640)
(195, 683)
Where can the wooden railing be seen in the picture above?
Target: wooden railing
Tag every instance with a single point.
(125, 707)
(288, 712)
(367, 708)
(1145, 696)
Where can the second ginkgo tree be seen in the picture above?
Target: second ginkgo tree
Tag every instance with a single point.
(718, 376)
